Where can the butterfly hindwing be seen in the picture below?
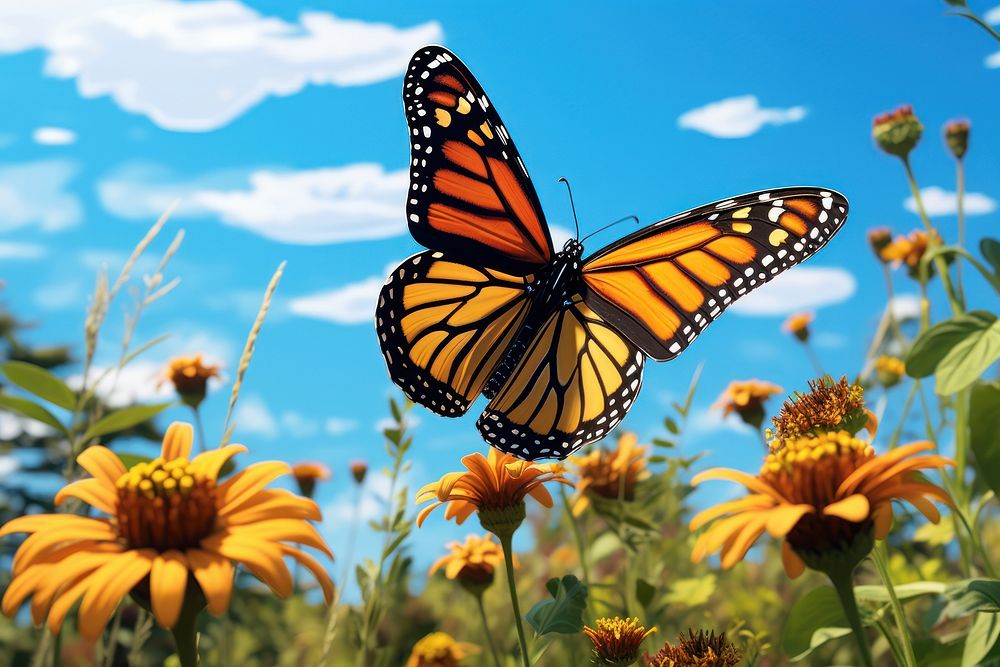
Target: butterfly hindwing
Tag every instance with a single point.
(470, 195)
(444, 326)
(575, 381)
(661, 286)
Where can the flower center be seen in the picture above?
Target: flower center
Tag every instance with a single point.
(165, 505)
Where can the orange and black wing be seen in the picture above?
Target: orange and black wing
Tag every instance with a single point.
(444, 326)
(575, 382)
(662, 285)
(470, 195)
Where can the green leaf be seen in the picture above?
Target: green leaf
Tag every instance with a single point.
(671, 426)
(968, 360)
(990, 249)
(904, 592)
(644, 592)
(934, 344)
(564, 612)
(814, 619)
(936, 534)
(31, 410)
(972, 596)
(124, 419)
(691, 592)
(931, 653)
(983, 635)
(129, 460)
(984, 424)
(40, 382)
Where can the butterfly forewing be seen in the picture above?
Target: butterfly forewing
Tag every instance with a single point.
(470, 194)
(574, 383)
(444, 326)
(662, 285)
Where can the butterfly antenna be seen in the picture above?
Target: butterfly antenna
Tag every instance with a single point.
(576, 222)
(609, 225)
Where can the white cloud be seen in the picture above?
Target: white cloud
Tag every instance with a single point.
(138, 382)
(906, 307)
(410, 421)
(312, 206)
(14, 250)
(710, 421)
(736, 117)
(353, 303)
(938, 201)
(195, 66)
(60, 296)
(54, 136)
(12, 426)
(8, 464)
(993, 15)
(34, 193)
(254, 417)
(802, 288)
(339, 425)
(298, 425)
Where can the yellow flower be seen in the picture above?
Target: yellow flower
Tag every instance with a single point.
(889, 370)
(827, 406)
(617, 640)
(439, 649)
(608, 474)
(908, 250)
(306, 475)
(168, 520)
(797, 324)
(746, 398)
(825, 495)
(471, 563)
(697, 649)
(190, 377)
(494, 486)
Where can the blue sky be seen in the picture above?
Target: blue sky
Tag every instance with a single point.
(278, 127)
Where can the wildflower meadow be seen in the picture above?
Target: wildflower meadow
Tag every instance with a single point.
(812, 481)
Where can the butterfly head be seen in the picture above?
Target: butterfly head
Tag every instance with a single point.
(573, 249)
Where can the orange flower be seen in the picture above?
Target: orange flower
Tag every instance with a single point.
(697, 649)
(609, 474)
(797, 324)
(617, 640)
(889, 370)
(171, 523)
(439, 649)
(471, 563)
(494, 486)
(190, 377)
(746, 398)
(359, 469)
(306, 475)
(879, 238)
(825, 495)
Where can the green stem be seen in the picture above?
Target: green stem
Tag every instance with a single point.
(201, 430)
(960, 186)
(879, 557)
(843, 584)
(57, 650)
(506, 542)
(890, 311)
(186, 635)
(577, 536)
(112, 646)
(486, 629)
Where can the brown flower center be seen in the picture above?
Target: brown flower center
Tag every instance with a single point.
(165, 505)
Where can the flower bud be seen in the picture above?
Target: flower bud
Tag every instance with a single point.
(797, 324)
(358, 471)
(879, 238)
(897, 132)
(956, 135)
(889, 370)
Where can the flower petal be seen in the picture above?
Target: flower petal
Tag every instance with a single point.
(737, 548)
(261, 557)
(102, 463)
(277, 530)
(108, 586)
(211, 462)
(783, 518)
(246, 483)
(755, 501)
(95, 492)
(214, 574)
(41, 542)
(754, 484)
(868, 469)
(167, 586)
(177, 442)
(313, 566)
(883, 520)
(270, 504)
(854, 508)
(794, 566)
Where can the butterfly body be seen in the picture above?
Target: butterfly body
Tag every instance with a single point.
(556, 341)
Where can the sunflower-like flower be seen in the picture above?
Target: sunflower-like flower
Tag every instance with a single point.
(617, 640)
(472, 563)
(827, 495)
(171, 525)
(439, 649)
(746, 398)
(797, 324)
(610, 473)
(898, 131)
(190, 376)
(697, 649)
(889, 370)
(493, 486)
(307, 474)
(827, 406)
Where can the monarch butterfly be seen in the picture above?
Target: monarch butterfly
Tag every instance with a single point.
(555, 341)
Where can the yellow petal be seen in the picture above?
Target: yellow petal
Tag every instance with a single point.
(278, 530)
(43, 541)
(215, 576)
(95, 492)
(177, 442)
(270, 504)
(868, 469)
(794, 567)
(167, 585)
(854, 508)
(210, 463)
(737, 547)
(752, 502)
(752, 483)
(246, 483)
(108, 586)
(261, 557)
(102, 463)
(781, 519)
(313, 566)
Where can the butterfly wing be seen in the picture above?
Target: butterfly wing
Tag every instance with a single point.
(444, 326)
(575, 382)
(470, 195)
(662, 285)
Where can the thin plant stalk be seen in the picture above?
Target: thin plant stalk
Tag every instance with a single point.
(112, 646)
(486, 629)
(506, 543)
(880, 559)
(843, 584)
(332, 617)
(577, 536)
(960, 187)
(200, 427)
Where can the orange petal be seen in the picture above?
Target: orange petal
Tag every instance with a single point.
(246, 483)
(279, 530)
(542, 495)
(95, 492)
(737, 547)
(215, 576)
(108, 586)
(869, 468)
(271, 504)
(261, 557)
(102, 463)
(67, 571)
(794, 567)
(65, 601)
(43, 541)
(854, 508)
(781, 519)
(177, 442)
(167, 585)
(32, 523)
(210, 463)
(752, 502)
(313, 566)
(883, 520)
(754, 484)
